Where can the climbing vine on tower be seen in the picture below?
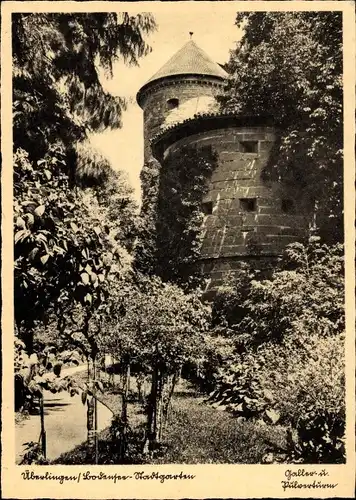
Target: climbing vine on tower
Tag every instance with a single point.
(176, 235)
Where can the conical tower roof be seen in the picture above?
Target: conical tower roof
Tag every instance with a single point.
(192, 60)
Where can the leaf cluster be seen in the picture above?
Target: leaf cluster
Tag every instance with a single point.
(173, 218)
(155, 323)
(64, 252)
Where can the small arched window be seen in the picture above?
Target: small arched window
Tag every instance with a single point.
(172, 103)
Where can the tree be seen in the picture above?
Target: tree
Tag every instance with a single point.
(66, 257)
(289, 66)
(69, 241)
(62, 252)
(159, 327)
(57, 60)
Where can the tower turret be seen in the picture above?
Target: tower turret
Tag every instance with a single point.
(186, 85)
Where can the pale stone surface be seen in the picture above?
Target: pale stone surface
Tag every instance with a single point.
(65, 423)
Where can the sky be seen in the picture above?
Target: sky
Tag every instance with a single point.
(214, 31)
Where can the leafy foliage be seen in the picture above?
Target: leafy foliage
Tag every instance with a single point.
(145, 248)
(305, 384)
(155, 322)
(63, 253)
(57, 87)
(305, 293)
(287, 365)
(68, 241)
(174, 216)
(306, 297)
(238, 391)
(218, 351)
(34, 375)
(300, 384)
(299, 83)
(33, 454)
(156, 327)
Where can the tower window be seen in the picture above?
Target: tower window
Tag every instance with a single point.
(207, 208)
(248, 204)
(249, 146)
(173, 103)
(288, 206)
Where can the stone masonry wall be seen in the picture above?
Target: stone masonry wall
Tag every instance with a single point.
(156, 109)
(246, 219)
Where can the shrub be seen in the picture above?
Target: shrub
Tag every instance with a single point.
(205, 372)
(33, 455)
(298, 383)
(306, 296)
(237, 390)
(303, 380)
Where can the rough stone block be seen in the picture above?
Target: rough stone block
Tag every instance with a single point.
(267, 229)
(266, 210)
(241, 175)
(254, 136)
(265, 146)
(227, 155)
(228, 147)
(233, 221)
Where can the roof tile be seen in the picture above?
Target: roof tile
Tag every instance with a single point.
(190, 59)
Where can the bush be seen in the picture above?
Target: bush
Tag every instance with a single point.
(289, 361)
(300, 384)
(306, 296)
(205, 372)
(303, 381)
(237, 389)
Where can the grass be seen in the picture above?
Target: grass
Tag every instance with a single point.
(196, 433)
(20, 416)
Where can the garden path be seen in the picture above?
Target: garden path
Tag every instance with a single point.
(65, 422)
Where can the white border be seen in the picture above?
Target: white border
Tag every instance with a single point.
(212, 481)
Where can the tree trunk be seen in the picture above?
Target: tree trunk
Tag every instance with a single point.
(90, 424)
(167, 399)
(43, 430)
(96, 415)
(151, 432)
(140, 380)
(160, 404)
(124, 418)
(125, 390)
(91, 408)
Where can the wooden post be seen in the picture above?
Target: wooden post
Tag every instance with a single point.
(152, 412)
(128, 375)
(96, 418)
(43, 431)
(91, 407)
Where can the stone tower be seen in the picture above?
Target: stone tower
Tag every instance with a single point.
(184, 86)
(245, 218)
